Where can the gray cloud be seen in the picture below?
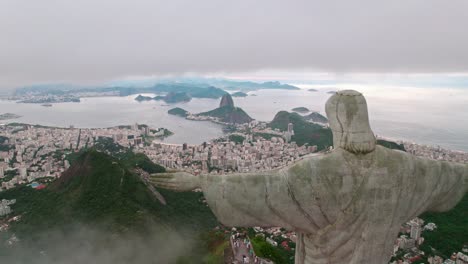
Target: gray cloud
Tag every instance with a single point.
(79, 244)
(88, 40)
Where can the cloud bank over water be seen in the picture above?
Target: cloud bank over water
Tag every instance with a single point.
(86, 41)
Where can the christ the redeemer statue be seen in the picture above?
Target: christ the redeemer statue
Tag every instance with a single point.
(347, 205)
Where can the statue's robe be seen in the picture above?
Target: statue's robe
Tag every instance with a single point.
(345, 207)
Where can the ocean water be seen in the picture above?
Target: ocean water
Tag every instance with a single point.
(434, 116)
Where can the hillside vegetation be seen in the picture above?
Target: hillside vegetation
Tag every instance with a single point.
(313, 134)
(229, 114)
(316, 118)
(304, 132)
(451, 233)
(391, 144)
(102, 192)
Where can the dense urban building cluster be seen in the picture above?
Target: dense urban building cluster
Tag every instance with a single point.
(407, 245)
(436, 153)
(272, 232)
(30, 153)
(34, 98)
(227, 156)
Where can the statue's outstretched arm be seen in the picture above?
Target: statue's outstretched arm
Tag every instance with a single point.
(445, 183)
(246, 199)
(176, 181)
(239, 199)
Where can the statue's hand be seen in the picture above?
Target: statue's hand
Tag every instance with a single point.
(176, 181)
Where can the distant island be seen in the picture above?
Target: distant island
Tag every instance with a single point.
(178, 112)
(312, 90)
(141, 98)
(169, 98)
(7, 116)
(331, 92)
(227, 112)
(239, 94)
(301, 110)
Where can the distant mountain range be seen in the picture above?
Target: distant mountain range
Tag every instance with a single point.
(189, 89)
(195, 87)
(250, 86)
(227, 84)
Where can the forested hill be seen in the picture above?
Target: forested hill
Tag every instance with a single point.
(101, 194)
(311, 133)
(304, 132)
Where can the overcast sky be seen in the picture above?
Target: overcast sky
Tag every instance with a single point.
(97, 40)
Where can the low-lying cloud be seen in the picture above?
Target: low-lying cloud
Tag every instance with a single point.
(80, 244)
(83, 41)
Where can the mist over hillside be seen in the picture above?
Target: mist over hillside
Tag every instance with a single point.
(100, 211)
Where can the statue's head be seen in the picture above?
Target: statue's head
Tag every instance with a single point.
(349, 122)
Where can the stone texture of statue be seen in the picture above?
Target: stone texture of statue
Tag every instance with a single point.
(347, 205)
